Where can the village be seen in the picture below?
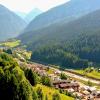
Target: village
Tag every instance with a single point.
(70, 85)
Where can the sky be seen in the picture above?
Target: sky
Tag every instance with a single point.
(27, 5)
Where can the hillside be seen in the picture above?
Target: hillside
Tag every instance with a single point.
(69, 11)
(87, 24)
(10, 24)
(79, 37)
(13, 82)
(21, 14)
(32, 14)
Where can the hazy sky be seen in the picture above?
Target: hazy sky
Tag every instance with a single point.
(28, 5)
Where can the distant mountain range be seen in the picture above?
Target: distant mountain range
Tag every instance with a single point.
(28, 17)
(56, 39)
(21, 14)
(80, 37)
(35, 12)
(63, 31)
(10, 24)
(69, 11)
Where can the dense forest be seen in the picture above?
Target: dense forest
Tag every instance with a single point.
(81, 53)
(13, 83)
(58, 56)
(70, 45)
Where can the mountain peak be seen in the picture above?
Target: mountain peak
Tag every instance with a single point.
(37, 9)
(32, 14)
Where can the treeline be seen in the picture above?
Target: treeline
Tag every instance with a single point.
(78, 53)
(59, 56)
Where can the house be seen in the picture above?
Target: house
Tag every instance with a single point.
(98, 94)
(57, 72)
(66, 84)
(85, 92)
(77, 94)
(54, 77)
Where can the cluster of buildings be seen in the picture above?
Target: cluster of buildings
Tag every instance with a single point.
(69, 85)
(75, 88)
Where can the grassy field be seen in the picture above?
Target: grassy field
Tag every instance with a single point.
(50, 71)
(11, 44)
(93, 74)
(50, 91)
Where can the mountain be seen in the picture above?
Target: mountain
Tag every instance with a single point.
(61, 42)
(10, 24)
(35, 12)
(64, 30)
(69, 11)
(21, 14)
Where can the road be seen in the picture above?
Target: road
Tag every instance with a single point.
(80, 77)
(74, 75)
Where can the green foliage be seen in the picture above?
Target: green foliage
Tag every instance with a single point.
(70, 94)
(58, 56)
(63, 76)
(89, 83)
(9, 51)
(90, 72)
(31, 76)
(56, 96)
(13, 83)
(40, 93)
(46, 97)
(35, 96)
(71, 45)
(49, 91)
(46, 81)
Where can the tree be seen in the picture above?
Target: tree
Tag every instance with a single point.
(13, 83)
(35, 96)
(40, 93)
(63, 76)
(56, 96)
(31, 76)
(46, 81)
(89, 83)
(9, 51)
(46, 97)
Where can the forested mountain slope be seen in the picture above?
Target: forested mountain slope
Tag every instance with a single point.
(77, 40)
(68, 11)
(88, 24)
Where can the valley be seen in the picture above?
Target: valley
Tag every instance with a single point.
(50, 50)
(53, 72)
